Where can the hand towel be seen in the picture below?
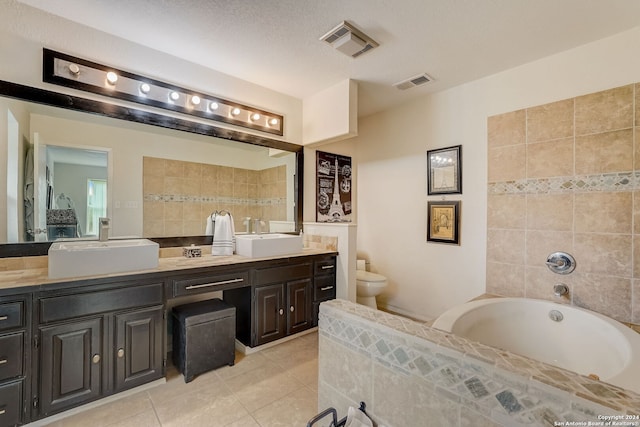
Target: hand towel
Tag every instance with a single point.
(223, 235)
(357, 418)
(209, 229)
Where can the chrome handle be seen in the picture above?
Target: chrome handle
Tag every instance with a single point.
(326, 288)
(327, 267)
(281, 312)
(3, 361)
(561, 263)
(208, 285)
(95, 359)
(291, 309)
(4, 317)
(120, 353)
(2, 411)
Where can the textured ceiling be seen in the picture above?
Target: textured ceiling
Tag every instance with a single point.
(274, 43)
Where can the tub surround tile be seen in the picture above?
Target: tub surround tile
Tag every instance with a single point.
(505, 279)
(507, 163)
(604, 254)
(443, 376)
(604, 111)
(608, 295)
(550, 121)
(551, 212)
(506, 211)
(550, 158)
(506, 246)
(540, 244)
(507, 129)
(603, 212)
(539, 283)
(605, 152)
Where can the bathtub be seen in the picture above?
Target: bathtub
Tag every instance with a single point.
(571, 338)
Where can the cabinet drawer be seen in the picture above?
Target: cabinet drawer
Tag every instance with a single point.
(11, 315)
(11, 355)
(325, 288)
(325, 266)
(209, 283)
(285, 273)
(10, 404)
(70, 306)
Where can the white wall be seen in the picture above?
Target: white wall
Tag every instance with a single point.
(426, 278)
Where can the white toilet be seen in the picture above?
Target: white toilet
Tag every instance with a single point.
(368, 285)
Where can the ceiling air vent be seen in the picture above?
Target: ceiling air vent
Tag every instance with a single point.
(349, 40)
(413, 81)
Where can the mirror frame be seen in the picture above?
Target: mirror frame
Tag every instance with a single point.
(120, 112)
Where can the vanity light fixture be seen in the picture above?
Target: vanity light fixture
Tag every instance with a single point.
(77, 73)
(112, 78)
(145, 88)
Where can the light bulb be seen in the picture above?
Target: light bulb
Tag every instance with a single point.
(145, 88)
(112, 78)
(213, 106)
(255, 117)
(273, 122)
(235, 111)
(195, 100)
(74, 69)
(174, 95)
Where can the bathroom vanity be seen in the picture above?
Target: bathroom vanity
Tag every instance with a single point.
(67, 343)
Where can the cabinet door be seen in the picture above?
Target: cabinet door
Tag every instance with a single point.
(70, 364)
(299, 306)
(270, 315)
(138, 348)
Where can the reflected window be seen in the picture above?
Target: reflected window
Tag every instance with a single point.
(96, 204)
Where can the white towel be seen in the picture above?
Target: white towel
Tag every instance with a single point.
(224, 240)
(209, 229)
(357, 418)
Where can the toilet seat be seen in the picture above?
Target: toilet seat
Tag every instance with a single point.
(367, 276)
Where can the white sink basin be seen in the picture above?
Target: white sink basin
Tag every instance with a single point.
(267, 245)
(91, 257)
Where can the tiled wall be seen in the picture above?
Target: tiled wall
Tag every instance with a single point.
(178, 196)
(409, 374)
(565, 176)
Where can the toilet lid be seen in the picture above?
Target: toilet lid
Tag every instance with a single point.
(367, 276)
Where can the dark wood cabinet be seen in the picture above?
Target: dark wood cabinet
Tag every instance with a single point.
(71, 360)
(114, 341)
(270, 319)
(299, 310)
(138, 347)
(324, 283)
(15, 354)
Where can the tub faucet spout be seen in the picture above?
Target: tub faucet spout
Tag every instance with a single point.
(560, 290)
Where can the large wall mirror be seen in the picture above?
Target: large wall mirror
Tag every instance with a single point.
(72, 160)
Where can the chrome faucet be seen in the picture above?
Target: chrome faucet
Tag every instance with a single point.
(103, 231)
(257, 225)
(560, 290)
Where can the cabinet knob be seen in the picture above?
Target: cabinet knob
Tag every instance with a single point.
(96, 358)
(281, 312)
(120, 353)
(291, 309)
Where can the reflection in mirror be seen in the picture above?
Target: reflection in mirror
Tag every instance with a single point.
(75, 187)
(157, 182)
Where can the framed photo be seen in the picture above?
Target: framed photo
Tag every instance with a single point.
(443, 222)
(444, 170)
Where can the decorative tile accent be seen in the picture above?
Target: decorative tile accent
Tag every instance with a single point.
(497, 384)
(623, 181)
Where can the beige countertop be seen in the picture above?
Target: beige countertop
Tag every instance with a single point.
(39, 276)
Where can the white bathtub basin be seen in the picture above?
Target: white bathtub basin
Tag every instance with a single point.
(267, 245)
(583, 341)
(91, 257)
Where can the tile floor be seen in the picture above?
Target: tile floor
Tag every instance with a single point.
(275, 387)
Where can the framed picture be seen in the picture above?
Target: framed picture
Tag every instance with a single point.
(444, 170)
(443, 222)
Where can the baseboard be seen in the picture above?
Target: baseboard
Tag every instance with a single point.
(245, 349)
(404, 313)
